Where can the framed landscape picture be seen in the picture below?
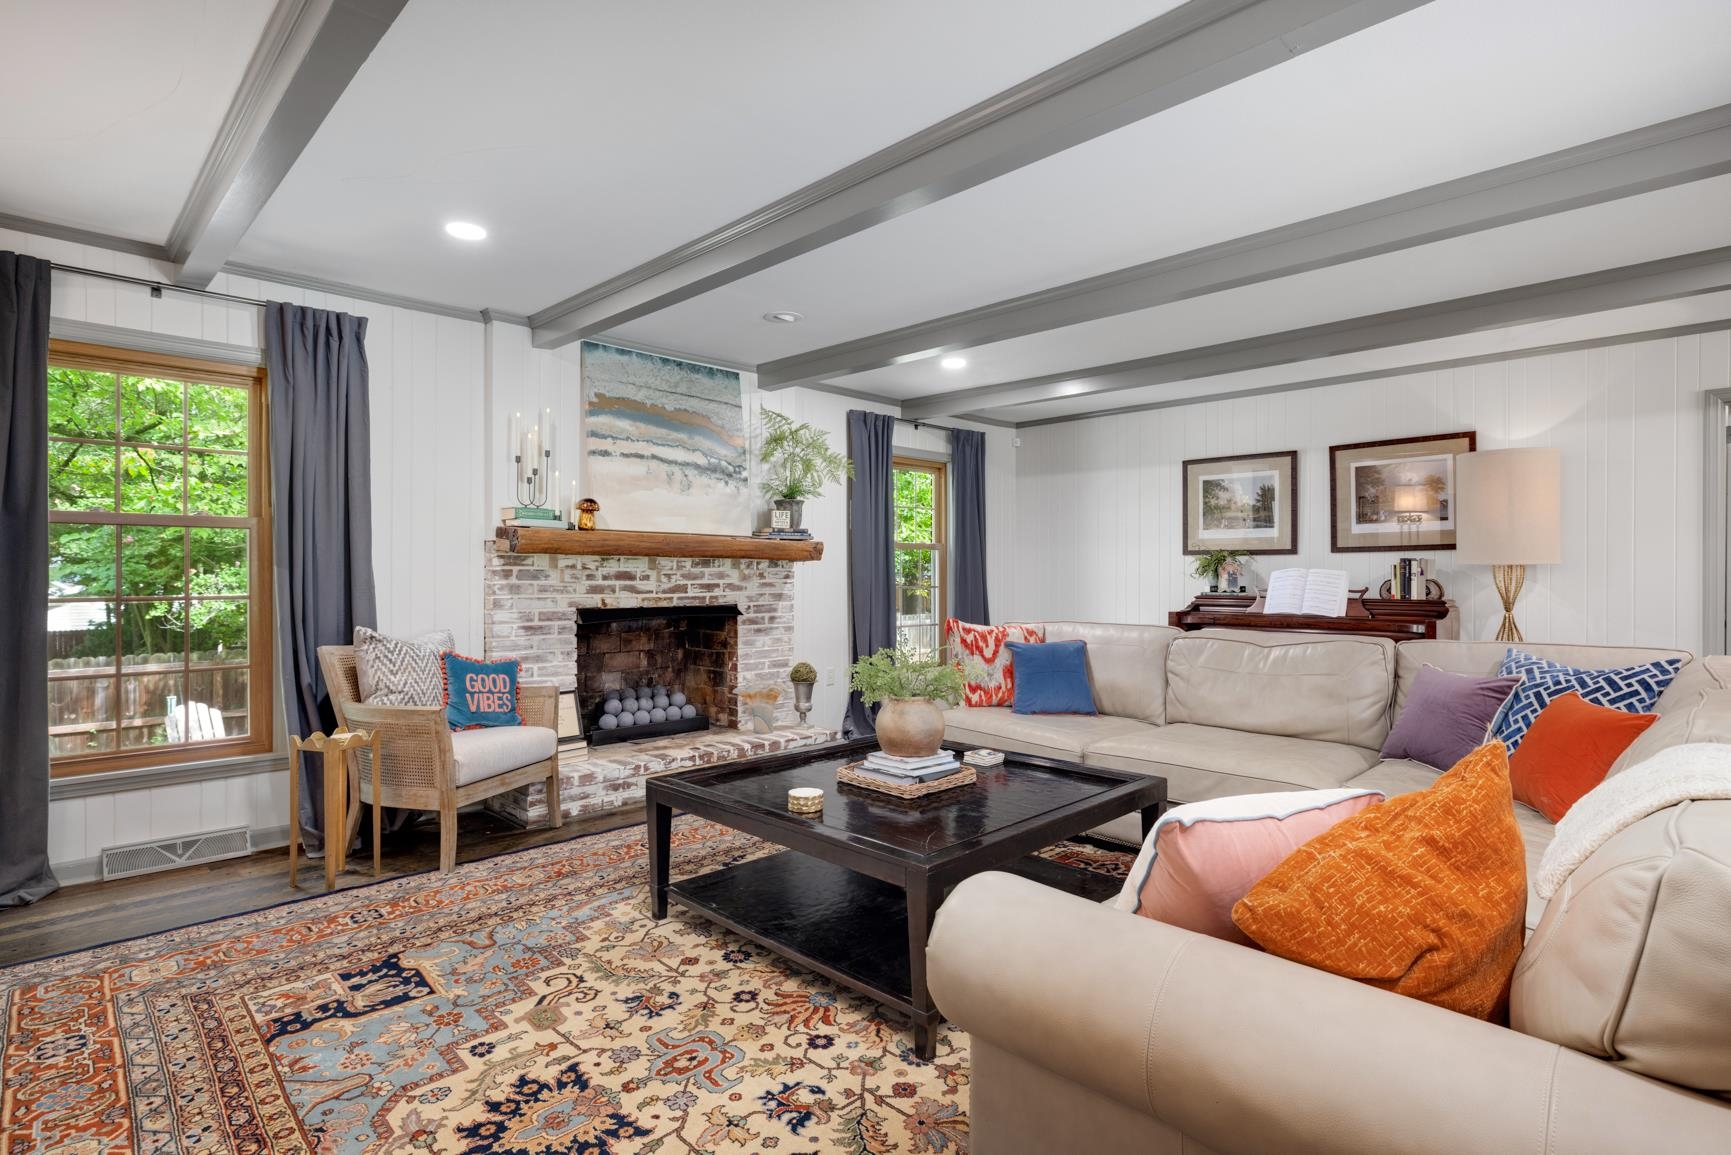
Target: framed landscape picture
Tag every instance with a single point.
(1247, 503)
(1394, 495)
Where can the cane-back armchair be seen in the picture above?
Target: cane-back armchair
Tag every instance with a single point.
(424, 766)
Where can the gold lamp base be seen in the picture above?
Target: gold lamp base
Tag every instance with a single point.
(1509, 579)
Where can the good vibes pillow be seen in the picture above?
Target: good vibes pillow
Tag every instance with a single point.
(479, 693)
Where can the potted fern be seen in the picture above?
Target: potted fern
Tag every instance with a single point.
(799, 464)
(910, 723)
(1209, 565)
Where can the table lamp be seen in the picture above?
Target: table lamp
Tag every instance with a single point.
(1509, 515)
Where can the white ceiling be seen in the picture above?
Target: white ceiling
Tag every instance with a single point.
(590, 138)
(1449, 89)
(1659, 224)
(108, 107)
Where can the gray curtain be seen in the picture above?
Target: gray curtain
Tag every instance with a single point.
(321, 487)
(870, 538)
(968, 532)
(24, 873)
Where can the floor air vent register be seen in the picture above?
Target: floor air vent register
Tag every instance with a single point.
(169, 853)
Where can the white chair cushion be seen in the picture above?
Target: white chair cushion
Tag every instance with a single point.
(495, 750)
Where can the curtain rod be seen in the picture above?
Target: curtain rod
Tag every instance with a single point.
(928, 425)
(155, 287)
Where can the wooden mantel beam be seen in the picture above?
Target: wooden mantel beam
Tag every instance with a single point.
(625, 543)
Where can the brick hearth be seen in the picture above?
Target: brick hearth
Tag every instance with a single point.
(611, 777)
(530, 613)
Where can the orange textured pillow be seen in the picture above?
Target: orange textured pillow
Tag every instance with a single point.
(1568, 750)
(1424, 895)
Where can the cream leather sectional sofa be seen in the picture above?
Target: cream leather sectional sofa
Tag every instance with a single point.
(1098, 1031)
(1219, 712)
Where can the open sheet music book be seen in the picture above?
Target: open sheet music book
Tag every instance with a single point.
(1306, 591)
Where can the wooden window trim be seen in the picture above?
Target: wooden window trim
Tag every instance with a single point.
(261, 622)
(940, 528)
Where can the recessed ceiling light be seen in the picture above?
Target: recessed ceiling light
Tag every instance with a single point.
(464, 231)
(954, 362)
(784, 317)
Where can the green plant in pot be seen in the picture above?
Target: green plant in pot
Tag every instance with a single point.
(910, 721)
(804, 677)
(1209, 565)
(798, 464)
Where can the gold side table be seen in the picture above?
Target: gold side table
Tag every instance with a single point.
(336, 755)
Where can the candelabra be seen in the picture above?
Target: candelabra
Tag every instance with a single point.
(534, 484)
(532, 451)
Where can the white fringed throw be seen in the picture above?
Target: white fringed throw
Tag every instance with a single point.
(1695, 770)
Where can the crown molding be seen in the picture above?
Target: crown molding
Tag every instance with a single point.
(80, 236)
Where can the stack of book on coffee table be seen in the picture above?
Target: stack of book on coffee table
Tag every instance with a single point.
(889, 768)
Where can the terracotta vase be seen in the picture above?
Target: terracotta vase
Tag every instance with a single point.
(910, 727)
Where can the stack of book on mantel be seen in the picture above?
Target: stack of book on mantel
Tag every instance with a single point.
(889, 768)
(532, 517)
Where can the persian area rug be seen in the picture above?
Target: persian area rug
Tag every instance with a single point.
(522, 1005)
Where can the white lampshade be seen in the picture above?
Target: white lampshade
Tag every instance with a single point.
(1509, 507)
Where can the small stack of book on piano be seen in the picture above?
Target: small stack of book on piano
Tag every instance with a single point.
(889, 768)
(1409, 577)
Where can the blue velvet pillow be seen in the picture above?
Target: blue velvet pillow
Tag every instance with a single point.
(479, 693)
(1051, 678)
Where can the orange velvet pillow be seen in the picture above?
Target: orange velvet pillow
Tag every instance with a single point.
(1568, 750)
(1424, 895)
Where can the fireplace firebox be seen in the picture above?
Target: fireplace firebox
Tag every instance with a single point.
(650, 671)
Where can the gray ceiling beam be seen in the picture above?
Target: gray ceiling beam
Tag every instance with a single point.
(310, 51)
(1198, 47)
(1673, 152)
(1406, 370)
(1693, 273)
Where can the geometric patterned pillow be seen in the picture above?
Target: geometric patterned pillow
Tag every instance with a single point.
(992, 681)
(401, 671)
(1633, 689)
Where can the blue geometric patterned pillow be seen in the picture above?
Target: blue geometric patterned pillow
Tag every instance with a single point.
(1633, 689)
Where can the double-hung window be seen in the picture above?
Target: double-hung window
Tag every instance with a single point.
(159, 619)
(920, 562)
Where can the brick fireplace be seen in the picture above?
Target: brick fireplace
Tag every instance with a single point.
(687, 630)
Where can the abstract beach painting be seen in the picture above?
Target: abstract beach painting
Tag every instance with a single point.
(665, 443)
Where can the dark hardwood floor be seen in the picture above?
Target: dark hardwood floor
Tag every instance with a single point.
(93, 913)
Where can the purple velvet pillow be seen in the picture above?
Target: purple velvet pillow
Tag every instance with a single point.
(1446, 716)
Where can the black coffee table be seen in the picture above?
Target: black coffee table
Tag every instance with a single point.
(853, 895)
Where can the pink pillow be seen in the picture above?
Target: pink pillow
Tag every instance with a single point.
(1203, 857)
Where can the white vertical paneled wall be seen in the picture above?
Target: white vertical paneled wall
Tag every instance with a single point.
(429, 517)
(1098, 502)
